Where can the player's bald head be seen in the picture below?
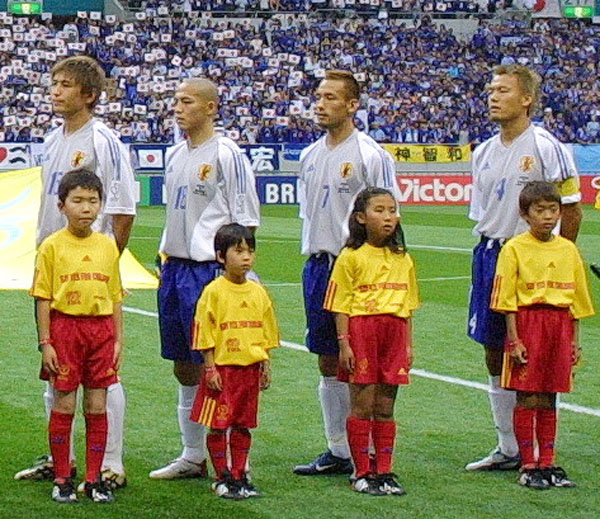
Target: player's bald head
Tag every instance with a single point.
(201, 87)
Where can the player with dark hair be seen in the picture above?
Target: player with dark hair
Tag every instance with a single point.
(541, 287)
(209, 183)
(78, 295)
(519, 153)
(234, 328)
(333, 171)
(84, 142)
(373, 292)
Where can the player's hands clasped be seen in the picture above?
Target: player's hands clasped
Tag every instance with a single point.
(518, 351)
(213, 379)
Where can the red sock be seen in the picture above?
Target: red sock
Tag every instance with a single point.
(384, 437)
(546, 435)
(239, 443)
(524, 423)
(359, 433)
(59, 435)
(216, 442)
(96, 426)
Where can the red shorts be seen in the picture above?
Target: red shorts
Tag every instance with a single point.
(85, 347)
(381, 349)
(236, 405)
(547, 333)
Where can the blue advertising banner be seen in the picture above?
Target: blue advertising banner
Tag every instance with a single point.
(264, 158)
(281, 190)
(587, 158)
(292, 151)
(272, 189)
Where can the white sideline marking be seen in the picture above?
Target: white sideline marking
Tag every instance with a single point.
(410, 245)
(451, 278)
(418, 372)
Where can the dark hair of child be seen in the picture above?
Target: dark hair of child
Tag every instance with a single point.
(358, 232)
(79, 178)
(537, 191)
(231, 235)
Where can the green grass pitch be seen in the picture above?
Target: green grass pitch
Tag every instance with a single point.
(441, 425)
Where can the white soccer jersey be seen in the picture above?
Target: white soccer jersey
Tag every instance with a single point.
(206, 187)
(329, 181)
(499, 173)
(93, 147)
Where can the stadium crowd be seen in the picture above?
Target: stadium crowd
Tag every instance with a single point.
(421, 83)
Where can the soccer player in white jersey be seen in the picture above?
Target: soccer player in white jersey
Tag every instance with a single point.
(520, 153)
(85, 142)
(333, 171)
(209, 183)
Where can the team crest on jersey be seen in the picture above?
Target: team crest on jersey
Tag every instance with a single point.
(78, 159)
(526, 164)
(204, 172)
(347, 169)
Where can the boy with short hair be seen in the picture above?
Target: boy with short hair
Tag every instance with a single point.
(78, 295)
(541, 286)
(235, 328)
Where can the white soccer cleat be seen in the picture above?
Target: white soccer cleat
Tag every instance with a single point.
(495, 460)
(179, 469)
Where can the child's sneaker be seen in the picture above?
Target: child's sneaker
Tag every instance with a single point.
(99, 492)
(42, 469)
(557, 477)
(228, 489)
(248, 489)
(64, 492)
(533, 478)
(389, 485)
(367, 485)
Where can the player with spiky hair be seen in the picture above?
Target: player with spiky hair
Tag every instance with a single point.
(85, 142)
(209, 183)
(333, 171)
(519, 153)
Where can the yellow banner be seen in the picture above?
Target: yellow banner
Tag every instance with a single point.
(19, 203)
(422, 153)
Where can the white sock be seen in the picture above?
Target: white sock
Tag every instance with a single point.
(503, 404)
(48, 403)
(115, 413)
(193, 435)
(335, 404)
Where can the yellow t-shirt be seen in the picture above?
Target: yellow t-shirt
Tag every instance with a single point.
(238, 321)
(80, 276)
(372, 280)
(530, 271)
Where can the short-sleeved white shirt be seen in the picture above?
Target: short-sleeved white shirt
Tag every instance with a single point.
(329, 181)
(499, 173)
(81, 149)
(206, 187)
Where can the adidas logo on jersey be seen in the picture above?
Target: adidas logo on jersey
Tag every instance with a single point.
(402, 371)
(244, 304)
(384, 268)
(86, 258)
(486, 166)
(551, 265)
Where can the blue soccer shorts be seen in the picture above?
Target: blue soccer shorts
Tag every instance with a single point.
(485, 326)
(181, 283)
(321, 335)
